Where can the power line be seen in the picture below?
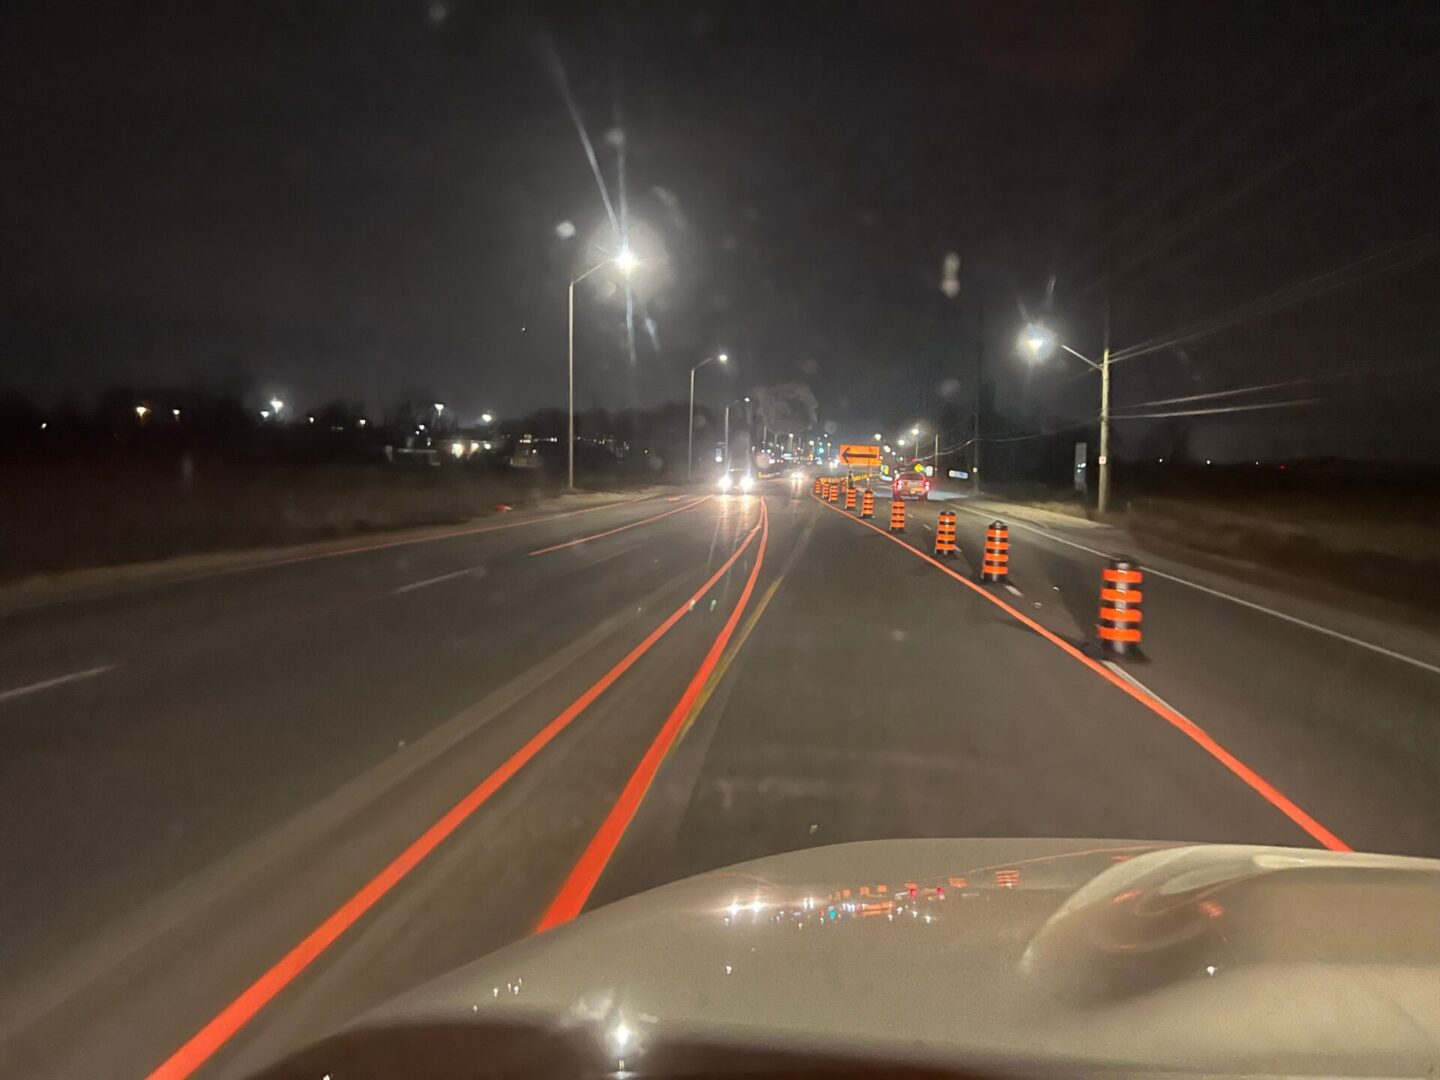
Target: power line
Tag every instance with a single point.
(1288, 296)
(1260, 388)
(1222, 409)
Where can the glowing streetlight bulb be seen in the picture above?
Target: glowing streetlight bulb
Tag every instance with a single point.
(724, 358)
(486, 417)
(626, 261)
(142, 411)
(276, 405)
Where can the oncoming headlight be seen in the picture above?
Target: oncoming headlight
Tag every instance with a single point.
(725, 482)
(747, 482)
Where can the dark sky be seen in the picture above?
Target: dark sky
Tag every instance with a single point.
(359, 199)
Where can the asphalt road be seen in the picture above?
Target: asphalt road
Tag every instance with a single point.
(243, 805)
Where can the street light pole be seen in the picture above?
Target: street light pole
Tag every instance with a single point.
(570, 413)
(1039, 340)
(1102, 498)
(625, 261)
(690, 460)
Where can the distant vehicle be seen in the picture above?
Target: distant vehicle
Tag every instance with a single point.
(738, 479)
(911, 485)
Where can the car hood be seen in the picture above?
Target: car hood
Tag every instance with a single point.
(940, 954)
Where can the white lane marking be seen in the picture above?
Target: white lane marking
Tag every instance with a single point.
(1118, 670)
(1016, 591)
(59, 680)
(477, 571)
(924, 526)
(1434, 669)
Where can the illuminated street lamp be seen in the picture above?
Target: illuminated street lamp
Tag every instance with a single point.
(275, 406)
(486, 417)
(1039, 342)
(722, 358)
(142, 411)
(439, 408)
(626, 262)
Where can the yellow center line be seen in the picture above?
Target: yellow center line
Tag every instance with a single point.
(730, 654)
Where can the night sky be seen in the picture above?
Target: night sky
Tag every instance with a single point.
(369, 199)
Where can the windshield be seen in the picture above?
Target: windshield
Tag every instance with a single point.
(465, 464)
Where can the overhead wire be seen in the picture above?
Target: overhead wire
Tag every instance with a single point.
(1336, 278)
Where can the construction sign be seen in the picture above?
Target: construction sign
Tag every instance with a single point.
(859, 454)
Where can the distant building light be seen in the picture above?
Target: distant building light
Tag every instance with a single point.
(363, 421)
(44, 424)
(175, 413)
(311, 419)
(264, 414)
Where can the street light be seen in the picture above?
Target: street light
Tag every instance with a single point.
(737, 401)
(275, 406)
(723, 358)
(625, 261)
(1039, 342)
(142, 411)
(439, 408)
(486, 417)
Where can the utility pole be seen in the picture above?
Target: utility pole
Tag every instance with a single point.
(570, 423)
(1102, 498)
(690, 454)
(979, 394)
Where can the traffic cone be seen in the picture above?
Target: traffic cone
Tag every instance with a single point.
(897, 515)
(867, 504)
(834, 493)
(849, 497)
(945, 536)
(1120, 596)
(817, 488)
(996, 567)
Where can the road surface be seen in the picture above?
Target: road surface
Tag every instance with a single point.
(244, 805)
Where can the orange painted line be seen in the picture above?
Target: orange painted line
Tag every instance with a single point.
(210, 1038)
(622, 528)
(580, 882)
(1266, 790)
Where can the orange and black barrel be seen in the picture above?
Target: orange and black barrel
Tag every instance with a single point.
(897, 514)
(945, 547)
(1120, 597)
(819, 486)
(849, 497)
(996, 565)
(867, 504)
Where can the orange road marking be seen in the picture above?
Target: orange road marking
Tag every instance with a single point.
(219, 1030)
(1266, 790)
(622, 528)
(581, 881)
